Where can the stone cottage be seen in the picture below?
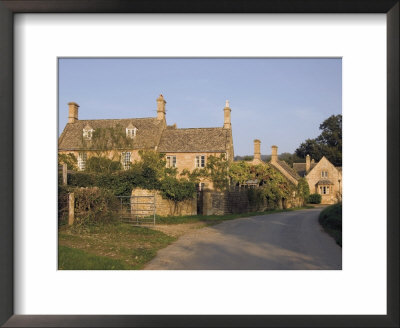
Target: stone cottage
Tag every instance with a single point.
(184, 148)
(322, 177)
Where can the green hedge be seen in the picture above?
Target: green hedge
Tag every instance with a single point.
(331, 220)
(315, 199)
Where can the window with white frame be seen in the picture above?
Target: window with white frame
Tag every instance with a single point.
(200, 161)
(126, 160)
(324, 190)
(87, 134)
(131, 132)
(171, 161)
(82, 161)
(324, 174)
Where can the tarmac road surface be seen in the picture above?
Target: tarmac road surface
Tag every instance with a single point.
(280, 241)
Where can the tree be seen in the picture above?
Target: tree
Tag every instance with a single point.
(290, 158)
(69, 159)
(328, 143)
(217, 170)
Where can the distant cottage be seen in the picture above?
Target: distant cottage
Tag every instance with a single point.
(322, 177)
(184, 148)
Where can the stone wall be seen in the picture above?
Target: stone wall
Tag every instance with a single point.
(166, 207)
(228, 202)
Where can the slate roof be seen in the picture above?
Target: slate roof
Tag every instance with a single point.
(148, 134)
(300, 168)
(288, 169)
(194, 140)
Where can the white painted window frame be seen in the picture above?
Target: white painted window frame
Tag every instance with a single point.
(82, 158)
(199, 160)
(126, 160)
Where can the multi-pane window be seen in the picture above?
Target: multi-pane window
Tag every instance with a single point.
(200, 161)
(131, 132)
(82, 161)
(324, 190)
(126, 160)
(171, 161)
(324, 174)
(87, 134)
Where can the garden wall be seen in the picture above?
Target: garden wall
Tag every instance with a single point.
(166, 207)
(231, 202)
(227, 202)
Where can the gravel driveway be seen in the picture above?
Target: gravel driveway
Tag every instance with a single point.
(280, 241)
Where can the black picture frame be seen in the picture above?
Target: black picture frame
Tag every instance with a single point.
(10, 7)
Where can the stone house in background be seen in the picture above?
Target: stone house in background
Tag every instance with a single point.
(322, 177)
(184, 148)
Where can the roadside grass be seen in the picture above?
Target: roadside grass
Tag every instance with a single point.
(126, 246)
(215, 219)
(122, 246)
(76, 259)
(331, 220)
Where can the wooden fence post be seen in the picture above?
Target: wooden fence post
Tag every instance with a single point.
(65, 173)
(71, 209)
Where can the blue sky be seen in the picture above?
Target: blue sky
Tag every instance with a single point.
(279, 101)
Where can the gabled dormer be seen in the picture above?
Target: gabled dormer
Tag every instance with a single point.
(131, 131)
(87, 132)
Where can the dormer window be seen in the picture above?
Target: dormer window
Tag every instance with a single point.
(131, 131)
(87, 132)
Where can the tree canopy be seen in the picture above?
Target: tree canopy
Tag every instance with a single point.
(328, 143)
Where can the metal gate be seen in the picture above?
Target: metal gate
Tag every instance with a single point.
(138, 210)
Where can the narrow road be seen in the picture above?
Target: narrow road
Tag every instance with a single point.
(281, 241)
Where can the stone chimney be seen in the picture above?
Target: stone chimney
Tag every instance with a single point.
(308, 163)
(274, 154)
(257, 153)
(161, 108)
(73, 112)
(227, 116)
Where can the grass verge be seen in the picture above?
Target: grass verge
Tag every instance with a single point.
(125, 246)
(331, 220)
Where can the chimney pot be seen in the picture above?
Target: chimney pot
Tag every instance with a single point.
(308, 163)
(274, 153)
(72, 112)
(161, 108)
(257, 152)
(227, 116)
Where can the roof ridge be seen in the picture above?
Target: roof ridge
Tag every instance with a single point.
(196, 128)
(117, 119)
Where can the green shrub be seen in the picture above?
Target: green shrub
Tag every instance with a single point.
(69, 159)
(63, 203)
(315, 199)
(81, 179)
(255, 196)
(94, 205)
(331, 220)
(177, 190)
(331, 217)
(303, 190)
(102, 165)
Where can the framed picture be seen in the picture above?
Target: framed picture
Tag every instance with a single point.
(187, 298)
